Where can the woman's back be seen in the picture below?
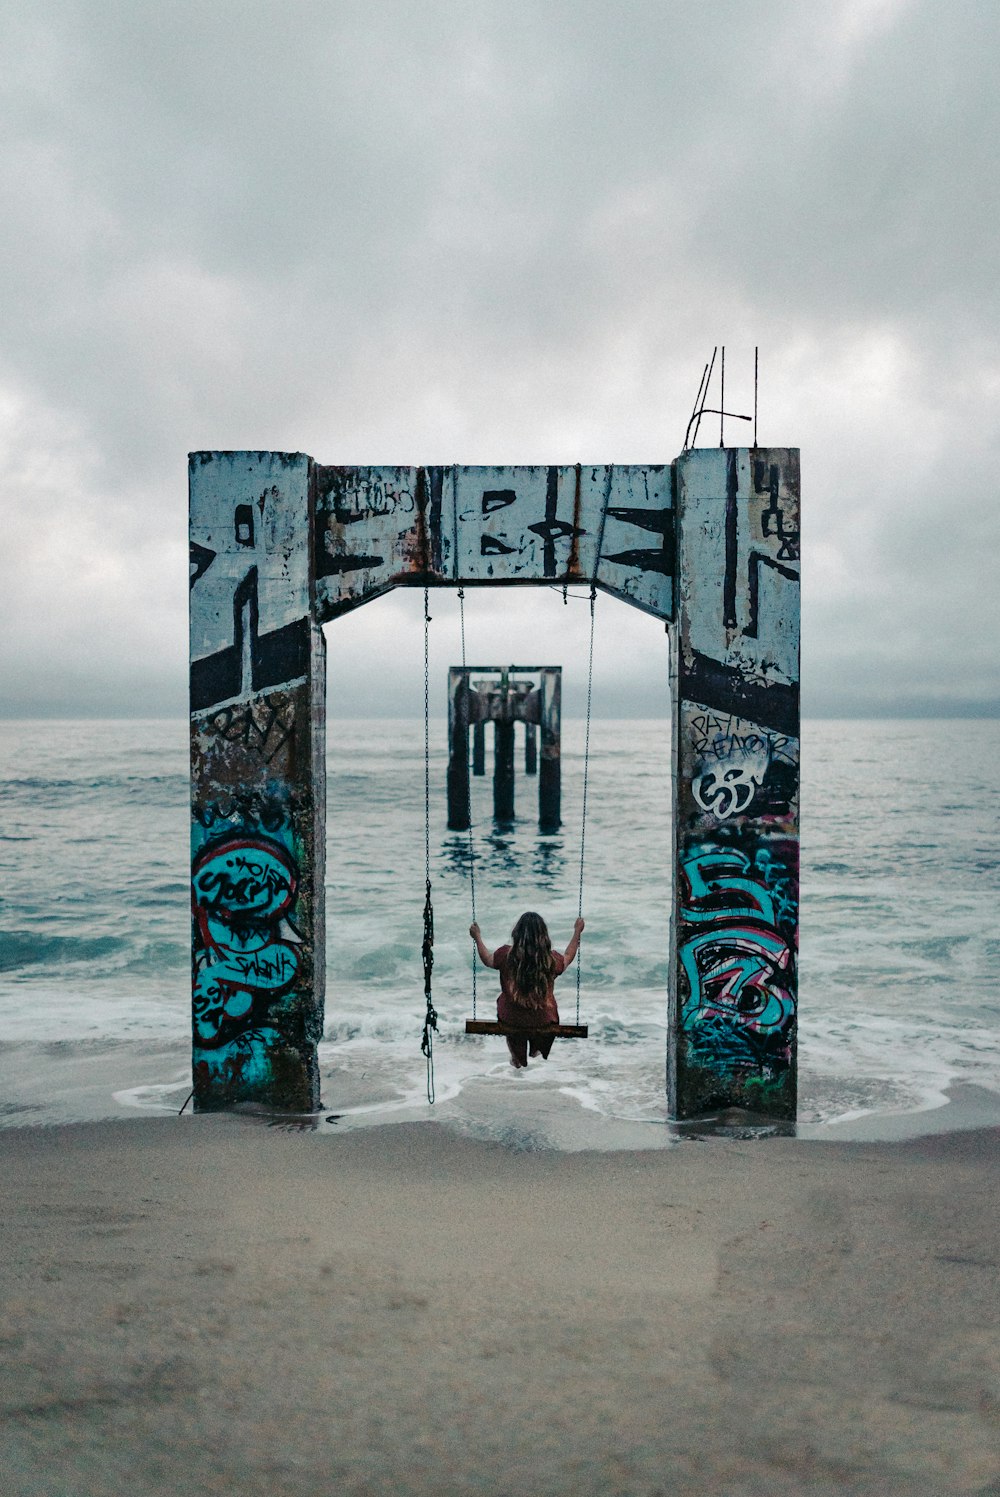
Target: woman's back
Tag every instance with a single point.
(511, 1007)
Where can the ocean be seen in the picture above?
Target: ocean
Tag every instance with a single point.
(900, 958)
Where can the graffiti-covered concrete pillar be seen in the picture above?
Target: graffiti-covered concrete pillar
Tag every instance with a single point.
(732, 1029)
(257, 781)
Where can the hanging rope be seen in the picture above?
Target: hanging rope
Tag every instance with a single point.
(427, 950)
(586, 776)
(468, 796)
(586, 741)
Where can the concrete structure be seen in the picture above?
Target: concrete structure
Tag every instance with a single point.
(504, 701)
(280, 545)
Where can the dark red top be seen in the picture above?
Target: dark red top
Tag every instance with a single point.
(509, 1010)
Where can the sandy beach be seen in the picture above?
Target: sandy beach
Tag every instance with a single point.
(217, 1305)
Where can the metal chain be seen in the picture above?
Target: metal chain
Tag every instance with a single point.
(586, 776)
(468, 796)
(427, 950)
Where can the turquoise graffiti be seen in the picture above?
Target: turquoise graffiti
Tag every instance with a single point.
(243, 887)
(739, 1009)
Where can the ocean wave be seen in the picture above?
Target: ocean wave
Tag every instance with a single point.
(176, 782)
(29, 948)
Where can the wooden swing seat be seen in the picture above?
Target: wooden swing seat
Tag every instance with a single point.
(558, 1031)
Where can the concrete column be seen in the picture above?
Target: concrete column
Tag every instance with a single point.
(734, 939)
(458, 751)
(258, 786)
(530, 749)
(503, 771)
(550, 769)
(479, 748)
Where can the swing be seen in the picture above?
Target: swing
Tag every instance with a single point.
(576, 1031)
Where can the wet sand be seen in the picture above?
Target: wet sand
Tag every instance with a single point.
(216, 1305)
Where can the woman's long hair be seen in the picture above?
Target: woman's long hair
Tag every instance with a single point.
(532, 965)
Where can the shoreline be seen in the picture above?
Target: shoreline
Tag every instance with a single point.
(231, 1304)
(66, 1083)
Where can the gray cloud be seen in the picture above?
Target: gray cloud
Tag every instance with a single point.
(482, 232)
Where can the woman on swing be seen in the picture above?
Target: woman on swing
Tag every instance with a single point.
(528, 969)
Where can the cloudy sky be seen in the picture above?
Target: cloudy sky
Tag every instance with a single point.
(498, 231)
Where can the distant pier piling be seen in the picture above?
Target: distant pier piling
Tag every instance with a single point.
(458, 752)
(503, 771)
(504, 696)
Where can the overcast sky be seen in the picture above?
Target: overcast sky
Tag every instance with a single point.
(498, 232)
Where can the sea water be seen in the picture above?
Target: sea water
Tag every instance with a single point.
(899, 989)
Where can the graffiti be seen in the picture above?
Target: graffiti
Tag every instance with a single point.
(739, 969)
(728, 789)
(494, 499)
(548, 530)
(239, 808)
(263, 726)
(201, 558)
(243, 525)
(255, 661)
(372, 501)
(734, 758)
(242, 887)
(766, 479)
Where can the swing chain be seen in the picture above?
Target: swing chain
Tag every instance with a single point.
(468, 794)
(586, 775)
(430, 1018)
(427, 949)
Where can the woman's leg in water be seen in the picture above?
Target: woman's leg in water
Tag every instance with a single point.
(517, 1044)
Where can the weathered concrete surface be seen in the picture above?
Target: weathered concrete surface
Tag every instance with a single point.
(378, 528)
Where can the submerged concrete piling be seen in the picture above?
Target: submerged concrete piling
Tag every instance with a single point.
(504, 696)
(458, 751)
(550, 776)
(503, 771)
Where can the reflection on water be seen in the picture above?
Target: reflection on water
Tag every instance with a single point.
(506, 854)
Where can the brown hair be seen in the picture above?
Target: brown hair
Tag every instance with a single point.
(532, 965)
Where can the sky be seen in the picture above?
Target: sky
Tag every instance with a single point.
(509, 231)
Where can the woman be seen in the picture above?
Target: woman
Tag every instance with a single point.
(528, 969)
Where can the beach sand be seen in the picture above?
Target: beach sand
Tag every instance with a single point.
(217, 1305)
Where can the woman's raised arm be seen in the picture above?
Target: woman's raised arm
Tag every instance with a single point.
(574, 941)
(485, 956)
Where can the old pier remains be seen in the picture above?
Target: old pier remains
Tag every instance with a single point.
(708, 544)
(503, 696)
